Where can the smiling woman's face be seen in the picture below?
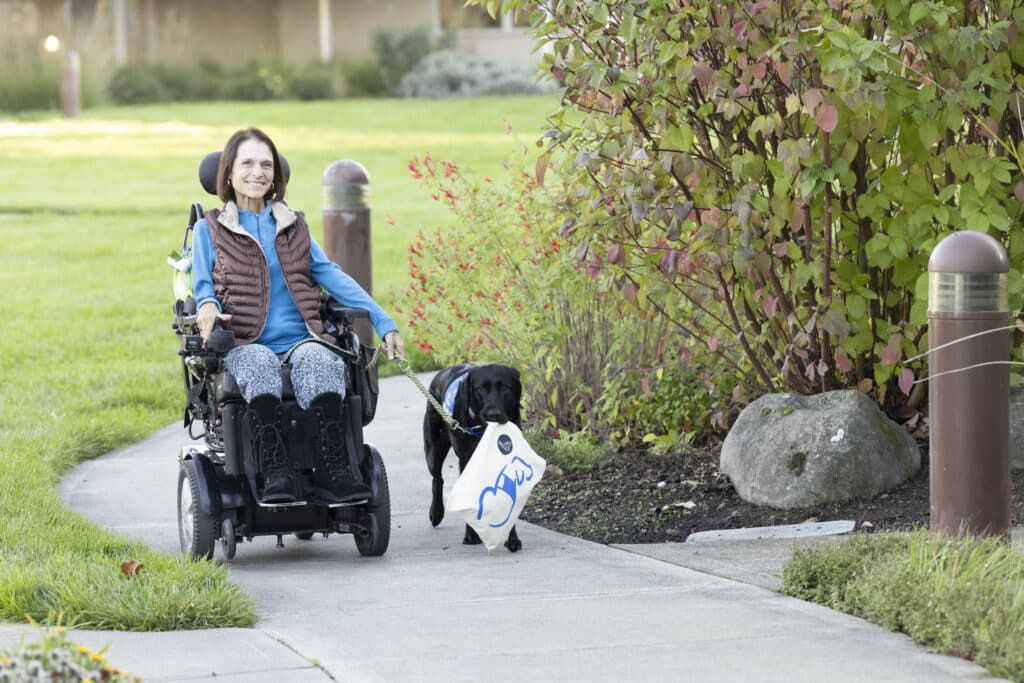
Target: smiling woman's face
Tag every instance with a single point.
(252, 174)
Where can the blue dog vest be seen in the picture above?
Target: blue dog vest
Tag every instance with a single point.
(449, 402)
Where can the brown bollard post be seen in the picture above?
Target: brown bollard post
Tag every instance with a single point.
(969, 411)
(71, 85)
(346, 213)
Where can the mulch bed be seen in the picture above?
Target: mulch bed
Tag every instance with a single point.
(644, 498)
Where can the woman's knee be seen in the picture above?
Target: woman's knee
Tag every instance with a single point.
(316, 370)
(256, 369)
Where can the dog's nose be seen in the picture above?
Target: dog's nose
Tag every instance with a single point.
(494, 416)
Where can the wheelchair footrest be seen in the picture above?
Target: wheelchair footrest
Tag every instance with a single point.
(293, 504)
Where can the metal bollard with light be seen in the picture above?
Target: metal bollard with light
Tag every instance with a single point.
(346, 214)
(969, 389)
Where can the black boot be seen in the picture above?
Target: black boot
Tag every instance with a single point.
(263, 417)
(336, 478)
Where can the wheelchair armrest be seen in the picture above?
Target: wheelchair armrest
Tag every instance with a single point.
(334, 310)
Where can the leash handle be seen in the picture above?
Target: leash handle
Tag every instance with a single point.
(445, 415)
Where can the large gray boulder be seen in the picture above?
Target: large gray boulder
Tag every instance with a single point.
(788, 450)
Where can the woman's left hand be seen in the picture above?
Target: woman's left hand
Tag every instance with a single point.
(393, 345)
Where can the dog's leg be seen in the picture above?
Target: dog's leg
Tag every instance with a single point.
(513, 543)
(436, 443)
(471, 537)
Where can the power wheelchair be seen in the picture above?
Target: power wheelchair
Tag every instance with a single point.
(218, 478)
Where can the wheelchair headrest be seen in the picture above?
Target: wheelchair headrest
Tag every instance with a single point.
(208, 171)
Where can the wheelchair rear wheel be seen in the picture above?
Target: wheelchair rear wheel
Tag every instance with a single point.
(377, 517)
(197, 530)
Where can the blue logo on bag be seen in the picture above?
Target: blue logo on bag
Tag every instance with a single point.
(507, 482)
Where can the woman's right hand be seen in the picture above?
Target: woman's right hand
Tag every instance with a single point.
(206, 317)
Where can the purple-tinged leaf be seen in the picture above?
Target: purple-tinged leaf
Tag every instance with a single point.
(770, 304)
(843, 361)
(890, 354)
(1018, 191)
(827, 117)
(812, 98)
(906, 380)
(616, 254)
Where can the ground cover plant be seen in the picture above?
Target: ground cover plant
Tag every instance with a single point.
(90, 208)
(56, 659)
(959, 596)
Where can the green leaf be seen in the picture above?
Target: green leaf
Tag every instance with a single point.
(918, 12)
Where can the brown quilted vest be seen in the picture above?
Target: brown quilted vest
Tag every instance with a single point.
(241, 278)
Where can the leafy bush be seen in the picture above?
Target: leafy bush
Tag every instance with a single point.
(398, 51)
(258, 81)
(27, 89)
(313, 82)
(496, 284)
(578, 451)
(137, 84)
(447, 73)
(362, 79)
(771, 177)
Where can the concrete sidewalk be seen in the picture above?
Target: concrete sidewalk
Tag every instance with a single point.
(432, 609)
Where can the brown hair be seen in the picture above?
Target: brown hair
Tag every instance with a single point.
(227, 161)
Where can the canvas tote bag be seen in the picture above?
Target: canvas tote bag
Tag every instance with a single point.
(492, 490)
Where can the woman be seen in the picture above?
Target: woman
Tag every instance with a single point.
(257, 269)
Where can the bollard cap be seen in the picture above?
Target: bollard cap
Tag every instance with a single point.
(346, 188)
(967, 274)
(344, 172)
(968, 251)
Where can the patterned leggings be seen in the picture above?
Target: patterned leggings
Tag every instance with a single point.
(316, 370)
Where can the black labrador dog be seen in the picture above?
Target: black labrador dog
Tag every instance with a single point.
(475, 395)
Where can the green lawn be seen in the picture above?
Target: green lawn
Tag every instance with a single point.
(88, 211)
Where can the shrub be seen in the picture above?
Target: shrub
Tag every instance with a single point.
(362, 79)
(771, 177)
(313, 82)
(146, 83)
(136, 84)
(398, 51)
(447, 73)
(258, 81)
(497, 284)
(577, 451)
(37, 87)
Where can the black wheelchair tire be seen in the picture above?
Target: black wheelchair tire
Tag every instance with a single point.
(303, 535)
(377, 517)
(198, 541)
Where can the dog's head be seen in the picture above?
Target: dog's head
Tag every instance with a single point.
(493, 392)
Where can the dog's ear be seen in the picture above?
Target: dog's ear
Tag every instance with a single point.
(465, 398)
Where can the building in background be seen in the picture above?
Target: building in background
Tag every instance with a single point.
(117, 32)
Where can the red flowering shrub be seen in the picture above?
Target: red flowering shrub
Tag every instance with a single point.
(496, 284)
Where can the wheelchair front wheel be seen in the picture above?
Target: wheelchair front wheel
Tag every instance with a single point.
(197, 530)
(377, 518)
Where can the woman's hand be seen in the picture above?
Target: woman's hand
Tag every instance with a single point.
(206, 317)
(393, 345)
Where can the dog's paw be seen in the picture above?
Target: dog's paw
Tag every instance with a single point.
(514, 544)
(471, 537)
(436, 513)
